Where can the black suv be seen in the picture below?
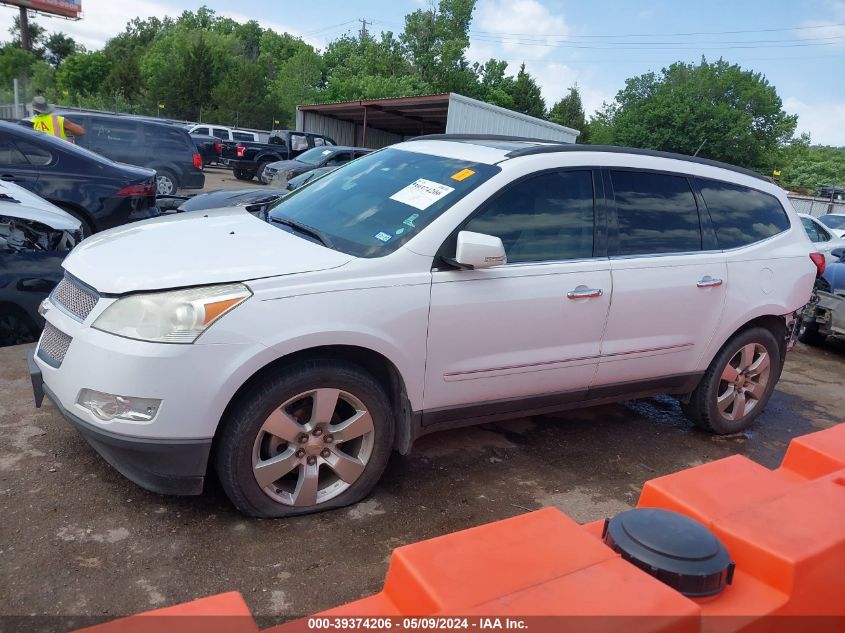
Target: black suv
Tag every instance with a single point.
(167, 149)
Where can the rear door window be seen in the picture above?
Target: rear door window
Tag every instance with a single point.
(200, 130)
(243, 136)
(741, 215)
(655, 213)
(112, 132)
(169, 141)
(549, 217)
(298, 142)
(9, 153)
(814, 232)
(35, 155)
(222, 133)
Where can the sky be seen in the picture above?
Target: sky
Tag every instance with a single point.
(799, 45)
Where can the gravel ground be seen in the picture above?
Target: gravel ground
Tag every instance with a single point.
(77, 539)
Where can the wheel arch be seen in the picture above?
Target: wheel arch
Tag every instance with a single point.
(377, 364)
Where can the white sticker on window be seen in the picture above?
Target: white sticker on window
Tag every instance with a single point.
(381, 236)
(421, 193)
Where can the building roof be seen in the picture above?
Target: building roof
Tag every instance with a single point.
(401, 115)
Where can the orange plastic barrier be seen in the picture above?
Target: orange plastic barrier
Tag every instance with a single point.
(785, 529)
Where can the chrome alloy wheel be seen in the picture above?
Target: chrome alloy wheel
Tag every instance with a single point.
(743, 381)
(313, 447)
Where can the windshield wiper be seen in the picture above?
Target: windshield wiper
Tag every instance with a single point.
(317, 234)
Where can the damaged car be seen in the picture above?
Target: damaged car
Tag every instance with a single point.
(35, 236)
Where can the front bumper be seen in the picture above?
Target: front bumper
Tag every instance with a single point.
(174, 467)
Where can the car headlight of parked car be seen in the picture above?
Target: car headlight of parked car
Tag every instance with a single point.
(174, 316)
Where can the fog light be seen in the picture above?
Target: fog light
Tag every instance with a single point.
(108, 407)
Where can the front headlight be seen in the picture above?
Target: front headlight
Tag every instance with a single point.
(175, 316)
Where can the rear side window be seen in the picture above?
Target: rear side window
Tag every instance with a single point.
(111, 132)
(741, 215)
(167, 140)
(655, 213)
(9, 154)
(34, 154)
(815, 233)
(200, 130)
(545, 218)
(243, 136)
(221, 132)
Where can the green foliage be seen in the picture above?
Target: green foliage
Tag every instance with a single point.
(37, 34)
(15, 63)
(82, 74)
(60, 46)
(569, 111)
(526, 95)
(735, 113)
(805, 167)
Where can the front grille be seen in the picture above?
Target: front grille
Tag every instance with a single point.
(74, 298)
(53, 345)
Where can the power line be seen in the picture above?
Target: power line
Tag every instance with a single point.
(690, 34)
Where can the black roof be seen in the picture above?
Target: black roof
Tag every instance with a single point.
(530, 146)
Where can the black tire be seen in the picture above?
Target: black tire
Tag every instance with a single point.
(15, 326)
(703, 408)
(87, 227)
(240, 428)
(243, 174)
(810, 335)
(166, 182)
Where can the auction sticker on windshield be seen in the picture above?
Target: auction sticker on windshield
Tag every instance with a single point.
(422, 193)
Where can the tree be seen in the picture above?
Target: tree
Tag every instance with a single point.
(804, 167)
(36, 35)
(735, 113)
(59, 46)
(526, 95)
(569, 111)
(82, 73)
(296, 83)
(15, 63)
(495, 86)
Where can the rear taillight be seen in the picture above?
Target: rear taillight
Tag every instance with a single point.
(197, 161)
(819, 261)
(141, 189)
(218, 147)
(240, 149)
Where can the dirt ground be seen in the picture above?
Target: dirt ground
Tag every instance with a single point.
(77, 539)
(221, 178)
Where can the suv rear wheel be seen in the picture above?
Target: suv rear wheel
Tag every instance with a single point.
(166, 183)
(311, 437)
(738, 384)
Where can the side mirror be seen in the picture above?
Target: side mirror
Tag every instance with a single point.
(477, 250)
(838, 253)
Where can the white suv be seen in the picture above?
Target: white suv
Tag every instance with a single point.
(440, 282)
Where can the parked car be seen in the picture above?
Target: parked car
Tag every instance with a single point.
(35, 236)
(824, 317)
(280, 172)
(222, 132)
(210, 148)
(436, 283)
(297, 181)
(256, 201)
(835, 222)
(249, 159)
(167, 149)
(98, 191)
(822, 237)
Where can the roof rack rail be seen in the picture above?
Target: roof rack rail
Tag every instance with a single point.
(613, 149)
(483, 137)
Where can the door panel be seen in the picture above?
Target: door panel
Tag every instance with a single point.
(668, 293)
(661, 319)
(512, 332)
(531, 327)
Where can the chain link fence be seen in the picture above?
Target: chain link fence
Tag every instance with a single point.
(816, 206)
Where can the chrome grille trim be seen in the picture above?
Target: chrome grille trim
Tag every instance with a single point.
(74, 298)
(53, 345)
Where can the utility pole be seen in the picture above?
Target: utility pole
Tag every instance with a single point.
(363, 32)
(24, 22)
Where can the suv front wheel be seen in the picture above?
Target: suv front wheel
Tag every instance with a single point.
(738, 384)
(309, 438)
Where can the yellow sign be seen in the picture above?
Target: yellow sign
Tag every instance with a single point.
(161, 106)
(776, 173)
(463, 174)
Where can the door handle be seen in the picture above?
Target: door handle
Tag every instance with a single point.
(708, 282)
(584, 293)
(11, 178)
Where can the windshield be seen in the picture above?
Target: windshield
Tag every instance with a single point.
(373, 205)
(313, 156)
(833, 221)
